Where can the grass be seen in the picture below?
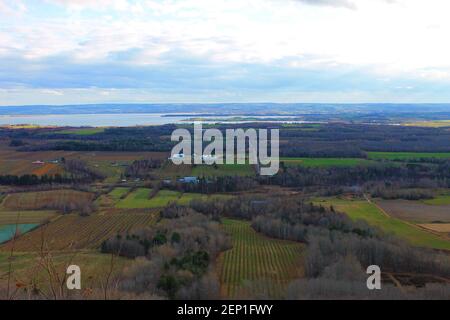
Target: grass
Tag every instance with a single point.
(223, 170)
(8, 231)
(326, 162)
(363, 210)
(111, 169)
(186, 198)
(118, 192)
(407, 155)
(82, 131)
(257, 263)
(95, 267)
(430, 124)
(440, 200)
(140, 199)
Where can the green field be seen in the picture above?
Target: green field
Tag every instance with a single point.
(118, 192)
(140, 199)
(430, 124)
(7, 231)
(82, 131)
(363, 210)
(441, 200)
(407, 155)
(326, 162)
(223, 170)
(113, 172)
(257, 263)
(186, 198)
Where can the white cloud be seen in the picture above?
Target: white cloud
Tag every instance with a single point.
(389, 39)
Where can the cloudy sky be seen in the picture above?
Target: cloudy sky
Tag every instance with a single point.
(91, 51)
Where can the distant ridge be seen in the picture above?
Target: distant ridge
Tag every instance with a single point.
(440, 110)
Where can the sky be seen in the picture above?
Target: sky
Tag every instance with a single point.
(204, 51)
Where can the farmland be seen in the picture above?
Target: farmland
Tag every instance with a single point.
(75, 232)
(118, 193)
(27, 267)
(82, 131)
(407, 155)
(123, 214)
(48, 169)
(440, 200)
(429, 124)
(325, 162)
(363, 210)
(43, 199)
(140, 198)
(257, 264)
(416, 211)
(28, 216)
(438, 227)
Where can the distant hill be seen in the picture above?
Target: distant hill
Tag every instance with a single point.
(230, 108)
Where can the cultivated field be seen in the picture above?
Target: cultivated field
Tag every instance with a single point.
(363, 210)
(140, 198)
(48, 169)
(440, 200)
(44, 199)
(75, 232)
(12, 217)
(19, 163)
(429, 124)
(326, 162)
(407, 155)
(81, 131)
(28, 268)
(257, 264)
(416, 211)
(438, 227)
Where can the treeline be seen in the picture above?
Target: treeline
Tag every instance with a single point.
(142, 168)
(129, 144)
(354, 138)
(174, 259)
(212, 185)
(338, 248)
(380, 180)
(406, 194)
(32, 179)
(410, 174)
(79, 169)
(321, 140)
